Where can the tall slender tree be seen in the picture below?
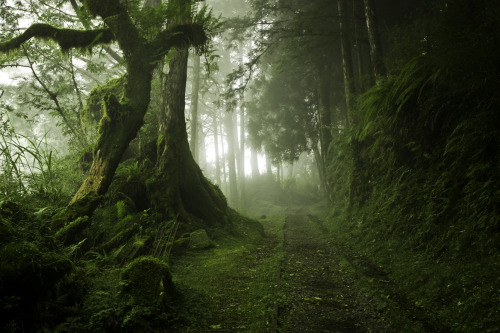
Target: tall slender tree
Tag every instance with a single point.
(194, 107)
(231, 157)
(345, 41)
(378, 65)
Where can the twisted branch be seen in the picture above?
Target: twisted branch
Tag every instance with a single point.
(66, 38)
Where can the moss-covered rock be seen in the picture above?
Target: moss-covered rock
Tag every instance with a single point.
(199, 240)
(147, 280)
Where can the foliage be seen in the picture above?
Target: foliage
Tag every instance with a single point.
(416, 179)
(28, 165)
(283, 119)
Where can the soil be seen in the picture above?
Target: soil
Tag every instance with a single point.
(320, 286)
(321, 296)
(320, 278)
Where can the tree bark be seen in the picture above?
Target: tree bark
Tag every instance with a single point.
(121, 119)
(181, 187)
(345, 40)
(378, 66)
(194, 107)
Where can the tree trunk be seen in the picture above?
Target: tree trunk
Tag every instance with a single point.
(290, 170)
(363, 76)
(278, 174)
(119, 125)
(269, 169)
(231, 159)
(378, 66)
(254, 162)
(181, 187)
(321, 169)
(242, 153)
(216, 146)
(345, 40)
(194, 107)
(325, 114)
(123, 118)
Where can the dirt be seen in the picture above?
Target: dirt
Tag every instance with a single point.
(320, 296)
(320, 280)
(319, 285)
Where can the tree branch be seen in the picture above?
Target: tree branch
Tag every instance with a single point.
(183, 35)
(66, 38)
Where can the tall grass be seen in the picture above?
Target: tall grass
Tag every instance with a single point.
(26, 164)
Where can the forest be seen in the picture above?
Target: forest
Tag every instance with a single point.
(249, 166)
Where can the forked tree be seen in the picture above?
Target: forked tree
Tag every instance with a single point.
(123, 115)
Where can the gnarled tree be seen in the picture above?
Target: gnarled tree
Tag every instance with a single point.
(122, 117)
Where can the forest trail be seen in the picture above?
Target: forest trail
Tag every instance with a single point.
(320, 296)
(297, 278)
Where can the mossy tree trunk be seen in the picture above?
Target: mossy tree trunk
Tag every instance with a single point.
(123, 118)
(180, 188)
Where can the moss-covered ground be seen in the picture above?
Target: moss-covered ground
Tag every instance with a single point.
(298, 277)
(232, 286)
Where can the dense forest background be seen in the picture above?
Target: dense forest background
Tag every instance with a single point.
(133, 132)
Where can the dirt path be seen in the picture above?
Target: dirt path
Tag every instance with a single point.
(296, 279)
(319, 296)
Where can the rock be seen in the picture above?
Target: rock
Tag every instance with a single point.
(200, 240)
(147, 280)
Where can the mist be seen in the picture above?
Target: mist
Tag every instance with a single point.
(249, 166)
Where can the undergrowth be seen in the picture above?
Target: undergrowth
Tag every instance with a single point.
(415, 182)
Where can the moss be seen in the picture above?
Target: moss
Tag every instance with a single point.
(27, 275)
(75, 210)
(147, 280)
(200, 240)
(66, 38)
(72, 232)
(100, 8)
(120, 238)
(160, 142)
(93, 110)
(11, 210)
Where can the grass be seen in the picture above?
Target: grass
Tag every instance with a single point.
(236, 280)
(460, 294)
